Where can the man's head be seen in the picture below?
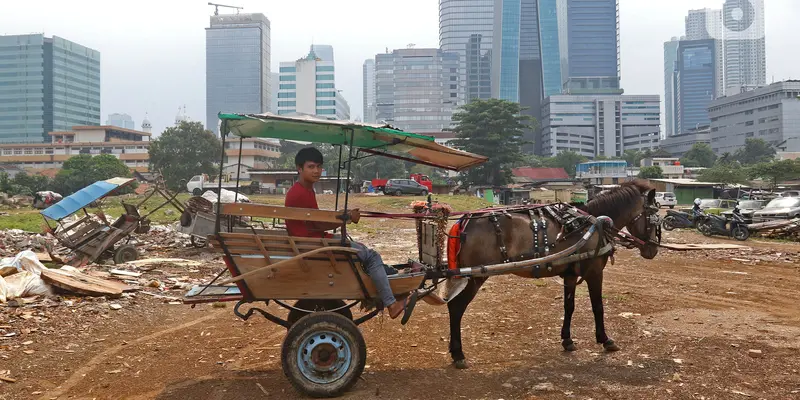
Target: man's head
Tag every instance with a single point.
(309, 164)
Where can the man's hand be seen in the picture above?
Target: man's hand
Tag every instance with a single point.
(355, 215)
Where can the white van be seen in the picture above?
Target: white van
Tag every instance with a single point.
(666, 199)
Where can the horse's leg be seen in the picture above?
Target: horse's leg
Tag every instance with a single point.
(595, 283)
(456, 309)
(569, 308)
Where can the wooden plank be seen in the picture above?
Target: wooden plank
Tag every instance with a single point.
(293, 260)
(77, 282)
(715, 246)
(293, 213)
(321, 281)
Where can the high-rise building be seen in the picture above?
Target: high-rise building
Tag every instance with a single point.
(466, 28)
(323, 51)
(770, 113)
(274, 84)
(506, 54)
(549, 47)
(308, 86)
(46, 85)
(705, 24)
(592, 46)
(369, 91)
(120, 120)
(745, 45)
(416, 90)
(600, 125)
(670, 58)
(237, 66)
(696, 83)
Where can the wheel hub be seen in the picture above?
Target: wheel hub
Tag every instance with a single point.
(324, 356)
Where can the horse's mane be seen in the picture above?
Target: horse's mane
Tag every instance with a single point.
(617, 201)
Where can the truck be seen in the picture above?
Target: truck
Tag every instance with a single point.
(424, 180)
(200, 183)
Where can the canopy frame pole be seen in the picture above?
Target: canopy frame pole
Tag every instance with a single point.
(347, 186)
(238, 170)
(338, 179)
(222, 132)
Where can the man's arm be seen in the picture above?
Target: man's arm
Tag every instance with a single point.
(354, 214)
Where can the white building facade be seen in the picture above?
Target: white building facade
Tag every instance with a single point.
(308, 86)
(600, 125)
(369, 91)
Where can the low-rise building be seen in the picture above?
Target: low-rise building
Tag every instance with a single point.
(257, 153)
(604, 172)
(671, 167)
(128, 145)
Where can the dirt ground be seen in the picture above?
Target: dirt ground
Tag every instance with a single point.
(692, 325)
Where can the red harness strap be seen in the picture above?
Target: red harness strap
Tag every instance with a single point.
(453, 245)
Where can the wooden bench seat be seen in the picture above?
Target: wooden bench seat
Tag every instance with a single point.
(327, 275)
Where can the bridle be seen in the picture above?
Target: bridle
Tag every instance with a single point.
(651, 222)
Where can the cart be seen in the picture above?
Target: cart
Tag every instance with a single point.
(199, 221)
(324, 352)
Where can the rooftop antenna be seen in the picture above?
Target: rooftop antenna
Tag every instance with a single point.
(217, 6)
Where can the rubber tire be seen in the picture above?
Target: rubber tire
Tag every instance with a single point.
(398, 192)
(667, 224)
(197, 192)
(706, 232)
(317, 305)
(424, 193)
(671, 207)
(329, 321)
(658, 205)
(125, 253)
(199, 242)
(744, 235)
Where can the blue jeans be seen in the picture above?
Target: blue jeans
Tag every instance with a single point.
(374, 267)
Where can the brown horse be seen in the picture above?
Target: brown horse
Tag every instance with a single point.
(631, 205)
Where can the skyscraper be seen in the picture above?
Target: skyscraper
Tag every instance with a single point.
(745, 45)
(506, 56)
(696, 83)
(592, 44)
(308, 86)
(323, 51)
(416, 90)
(466, 28)
(121, 120)
(670, 58)
(46, 84)
(369, 91)
(549, 47)
(706, 24)
(237, 66)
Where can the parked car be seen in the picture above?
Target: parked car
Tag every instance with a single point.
(747, 208)
(666, 199)
(399, 187)
(714, 206)
(780, 208)
(791, 193)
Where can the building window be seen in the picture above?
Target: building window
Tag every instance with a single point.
(326, 77)
(287, 103)
(287, 69)
(288, 86)
(288, 78)
(325, 68)
(289, 95)
(325, 86)
(328, 111)
(326, 102)
(326, 94)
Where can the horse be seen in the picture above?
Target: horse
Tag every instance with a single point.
(492, 240)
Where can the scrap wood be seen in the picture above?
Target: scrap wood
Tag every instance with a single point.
(76, 282)
(125, 273)
(712, 246)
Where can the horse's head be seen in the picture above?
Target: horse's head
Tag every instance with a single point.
(644, 223)
(633, 206)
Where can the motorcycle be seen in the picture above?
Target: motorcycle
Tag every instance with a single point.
(677, 219)
(709, 225)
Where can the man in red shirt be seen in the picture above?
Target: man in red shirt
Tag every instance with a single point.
(301, 195)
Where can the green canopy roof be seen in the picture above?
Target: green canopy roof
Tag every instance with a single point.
(376, 139)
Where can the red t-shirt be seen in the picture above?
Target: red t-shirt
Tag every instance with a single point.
(300, 197)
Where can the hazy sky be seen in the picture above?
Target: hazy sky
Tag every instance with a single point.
(153, 52)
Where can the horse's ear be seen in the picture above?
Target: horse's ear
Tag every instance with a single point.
(651, 196)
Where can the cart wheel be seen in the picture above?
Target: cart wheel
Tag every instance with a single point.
(199, 242)
(317, 305)
(323, 354)
(125, 253)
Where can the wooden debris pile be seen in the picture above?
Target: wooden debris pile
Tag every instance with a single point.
(778, 229)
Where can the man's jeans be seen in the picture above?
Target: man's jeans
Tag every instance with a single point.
(374, 267)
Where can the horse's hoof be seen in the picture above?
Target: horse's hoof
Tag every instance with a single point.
(609, 345)
(461, 364)
(569, 346)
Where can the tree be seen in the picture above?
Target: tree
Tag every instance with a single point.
(493, 128)
(29, 184)
(654, 172)
(83, 170)
(632, 157)
(776, 171)
(724, 173)
(288, 150)
(754, 151)
(661, 153)
(700, 155)
(568, 160)
(185, 151)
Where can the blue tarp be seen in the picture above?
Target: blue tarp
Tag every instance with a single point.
(84, 197)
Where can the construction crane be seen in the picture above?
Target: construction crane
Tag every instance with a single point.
(217, 6)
